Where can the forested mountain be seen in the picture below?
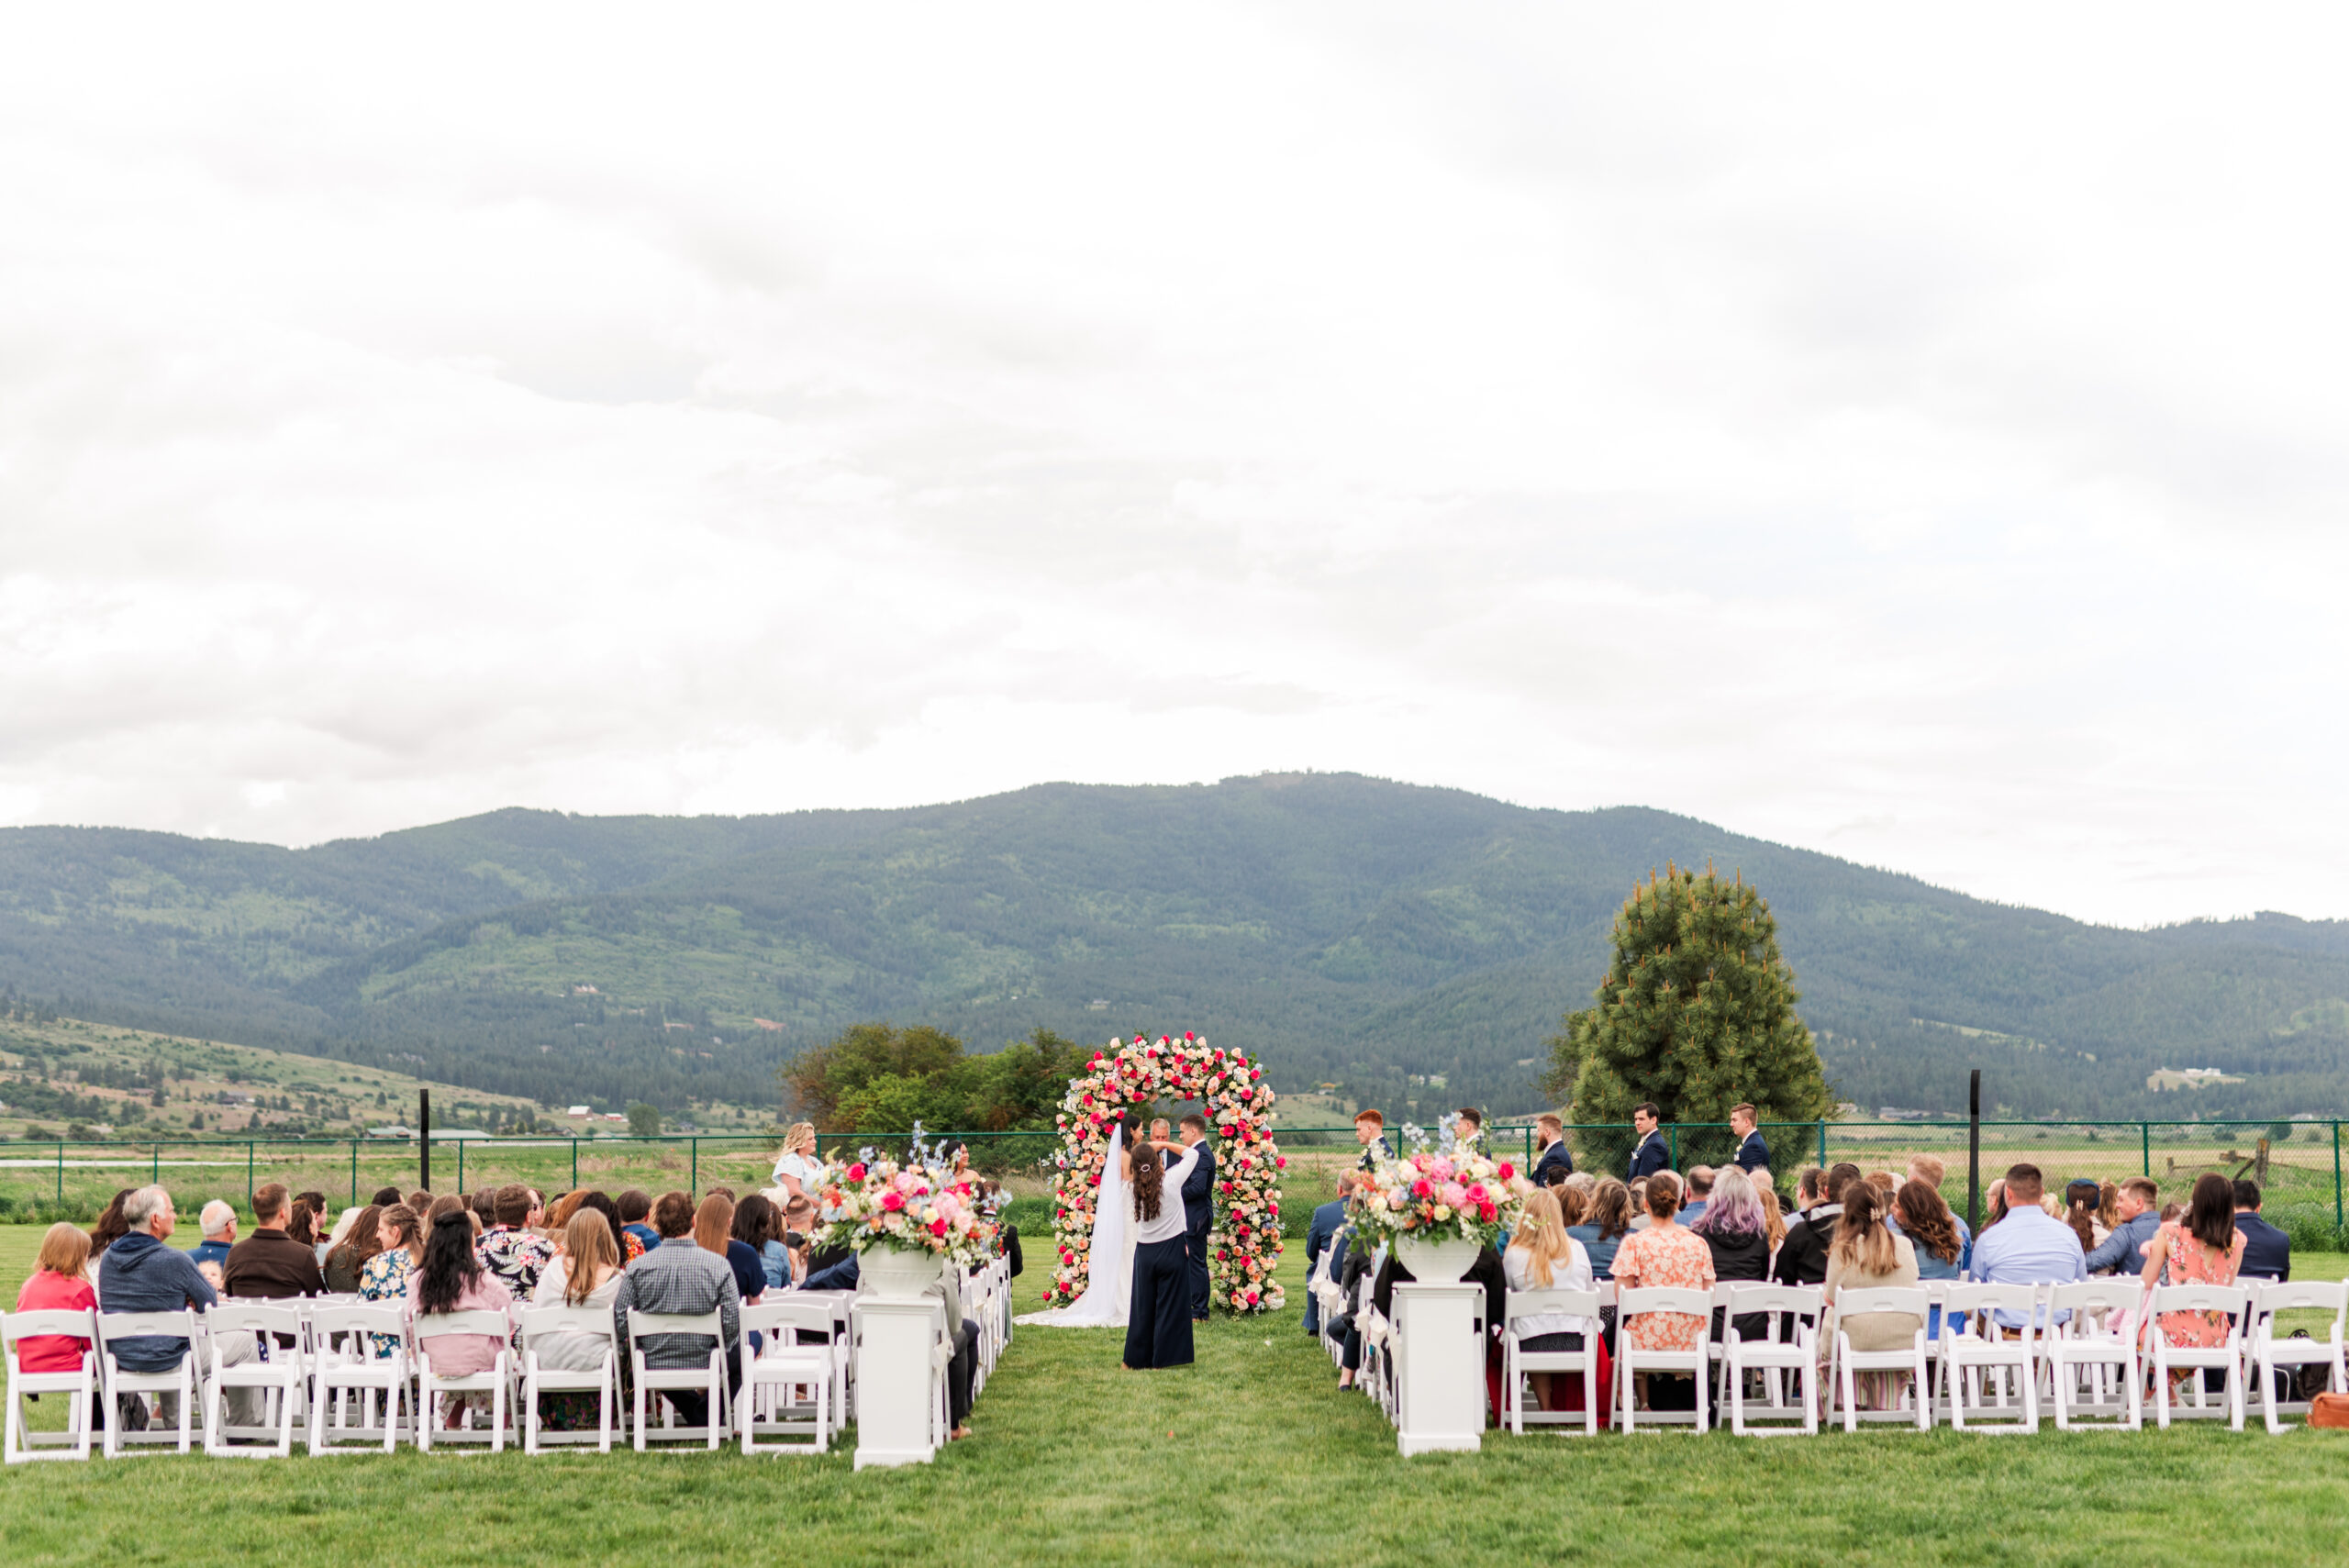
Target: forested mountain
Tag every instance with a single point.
(1355, 931)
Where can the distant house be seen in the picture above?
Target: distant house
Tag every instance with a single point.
(235, 1097)
(392, 1130)
(615, 1116)
(1098, 1004)
(585, 990)
(578, 1110)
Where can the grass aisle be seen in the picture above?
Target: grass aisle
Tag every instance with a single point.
(1249, 1456)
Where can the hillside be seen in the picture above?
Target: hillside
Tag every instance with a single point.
(1358, 932)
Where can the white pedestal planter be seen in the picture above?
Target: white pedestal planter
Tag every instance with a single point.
(901, 1276)
(1440, 1366)
(1435, 1262)
(894, 1343)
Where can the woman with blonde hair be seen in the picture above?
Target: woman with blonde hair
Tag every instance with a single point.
(1774, 1217)
(797, 1171)
(60, 1282)
(1542, 1256)
(585, 1274)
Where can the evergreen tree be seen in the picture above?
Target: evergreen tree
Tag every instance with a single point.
(1697, 1013)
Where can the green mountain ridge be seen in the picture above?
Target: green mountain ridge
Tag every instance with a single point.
(1351, 931)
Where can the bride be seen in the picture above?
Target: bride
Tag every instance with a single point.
(1108, 1288)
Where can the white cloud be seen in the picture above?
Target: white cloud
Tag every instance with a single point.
(1914, 437)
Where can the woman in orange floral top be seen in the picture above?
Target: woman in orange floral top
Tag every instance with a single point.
(2201, 1247)
(1667, 1255)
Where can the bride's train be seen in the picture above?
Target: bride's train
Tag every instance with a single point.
(1108, 1288)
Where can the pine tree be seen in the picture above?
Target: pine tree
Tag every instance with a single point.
(1697, 1013)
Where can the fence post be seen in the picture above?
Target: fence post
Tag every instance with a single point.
(575, 1165)
(248, 1175)
(693, 1185)
(2145, 1145)
(354, 1172)
(1672, 1144)
(461, 1166)
(60, 1169)
(155, 1166)
(1823, 1145)
(2338, 1223)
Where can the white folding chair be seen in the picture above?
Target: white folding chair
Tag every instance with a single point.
(346, 1366)
(2269, 1352)
(279, 1374)
(1796, 1359)
(602, 1380)
(79, 1385)
(707, 1379)
(768, 1405)
(1845, 1363)
(495, 1380)
(184, 1380)
(2098, 1349)
(1517, 1362)
(1630, 1361)
(2234, 1301)
(1979, 1361)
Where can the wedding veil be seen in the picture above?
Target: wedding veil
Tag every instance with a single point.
(1104, 1302)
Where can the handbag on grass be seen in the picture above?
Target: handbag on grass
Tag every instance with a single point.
(2329, 1411)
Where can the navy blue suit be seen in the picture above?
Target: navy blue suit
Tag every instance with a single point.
(2266, 1252)
(1753, 1154)
(1327, 1219)
(1650, 1157)
(1198, 1214)
(1557, 1162)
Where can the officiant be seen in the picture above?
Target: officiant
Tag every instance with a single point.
(1199, 1209)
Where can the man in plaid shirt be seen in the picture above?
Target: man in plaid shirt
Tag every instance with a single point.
(512, 1255)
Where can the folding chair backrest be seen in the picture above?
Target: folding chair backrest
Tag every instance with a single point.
(640, 1324)
(1555, 1299)
(1802, 1300)
(476, 1320)
(2199, 1298)
(1965, 1300)
(79, 1322)
(810, 1317)
(334, 1322)
(229, 1316)
(1850, 1304)
(1638, 1303)
(2304, 1295)
(2107, 1295)
(179, 1325)
(539, 1321)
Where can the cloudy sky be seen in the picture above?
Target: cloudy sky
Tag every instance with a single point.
(1917, 438)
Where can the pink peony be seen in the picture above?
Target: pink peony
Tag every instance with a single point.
(856, 1171)
(893, 1201)
(1507, 1171)
(1442, 1170)
(1454, 1194)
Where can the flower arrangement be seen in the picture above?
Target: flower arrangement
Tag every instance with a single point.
(1244, 1245)
(919, 1206)
(1446, 1194)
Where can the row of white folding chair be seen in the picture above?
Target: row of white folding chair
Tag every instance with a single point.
(783, 1370)
(79, 1386)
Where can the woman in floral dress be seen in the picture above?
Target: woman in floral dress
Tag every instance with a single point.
(384, 1277)
(2202, 1247)
(1667, 1255)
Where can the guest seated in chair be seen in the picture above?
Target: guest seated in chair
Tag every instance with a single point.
(680, 1276)
(1542, 1256)
(2267, 1252)
(138, 1274)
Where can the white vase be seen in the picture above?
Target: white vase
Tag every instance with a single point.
(1437, 1260)
(898, 1275)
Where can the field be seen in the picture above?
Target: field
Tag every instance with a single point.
(1249, 1456)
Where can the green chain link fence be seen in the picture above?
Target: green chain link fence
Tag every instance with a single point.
(2297, 1164)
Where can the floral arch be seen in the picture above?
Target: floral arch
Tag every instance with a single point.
(1245, 1244)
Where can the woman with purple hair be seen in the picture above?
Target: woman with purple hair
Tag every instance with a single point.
(1737, 1230)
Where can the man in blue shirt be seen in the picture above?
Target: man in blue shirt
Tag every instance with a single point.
(1699, 1195)
(2123, 1251)
(1649, 1155)
(1325, 1222)
(1753, 1154)
(2267, 1252)
(2028, 1246)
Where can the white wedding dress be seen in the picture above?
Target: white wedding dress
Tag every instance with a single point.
(1108, 1290)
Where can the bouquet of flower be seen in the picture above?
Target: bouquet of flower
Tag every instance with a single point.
(1245, 1244)
(1442, 1196)
(872, 1202)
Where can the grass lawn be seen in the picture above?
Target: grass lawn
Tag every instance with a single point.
(1251, 1456)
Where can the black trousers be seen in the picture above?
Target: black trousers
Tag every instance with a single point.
(693, 1409)
(1158, 1320)
(958, 1373)
(1194, 1258)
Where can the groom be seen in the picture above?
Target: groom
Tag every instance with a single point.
(1199, 1211)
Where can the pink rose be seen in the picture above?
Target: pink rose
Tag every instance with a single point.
(856, 1171)
(893, 1200)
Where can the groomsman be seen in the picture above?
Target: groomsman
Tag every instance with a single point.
(1753, 1154)
(1370, 1131)
(1198, 1210)
(1651, 1155)
(1556, 1162)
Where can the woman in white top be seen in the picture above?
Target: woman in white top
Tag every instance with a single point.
(798, 1170)
(1158, 1321)
(1543, 1257)
(587, 1272)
